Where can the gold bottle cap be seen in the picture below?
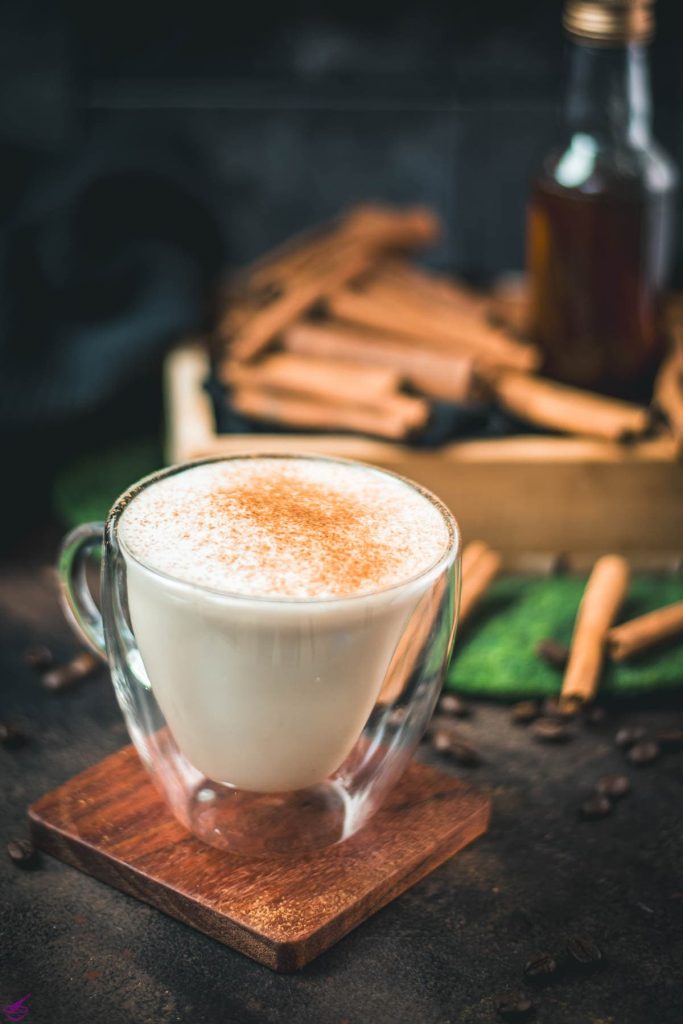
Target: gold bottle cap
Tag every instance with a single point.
(610, 22)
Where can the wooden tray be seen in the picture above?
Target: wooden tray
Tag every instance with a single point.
(110, 823)
(521, 494)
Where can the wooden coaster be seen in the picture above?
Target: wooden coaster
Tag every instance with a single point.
(110, 823)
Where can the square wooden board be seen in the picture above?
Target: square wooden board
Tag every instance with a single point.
(110, 823)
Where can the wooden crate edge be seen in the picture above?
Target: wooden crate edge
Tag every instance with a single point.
(191, 433)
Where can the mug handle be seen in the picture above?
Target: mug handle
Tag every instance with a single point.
(77, 601)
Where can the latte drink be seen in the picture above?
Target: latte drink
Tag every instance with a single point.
(267, 596)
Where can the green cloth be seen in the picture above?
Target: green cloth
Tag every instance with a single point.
(495, 654)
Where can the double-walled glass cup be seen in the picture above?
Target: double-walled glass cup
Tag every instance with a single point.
(268, 725)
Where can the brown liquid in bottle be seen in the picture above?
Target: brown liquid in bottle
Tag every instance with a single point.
(596, 270)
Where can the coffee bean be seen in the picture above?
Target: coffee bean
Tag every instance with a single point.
(584, 950)
(644, 752)
(613, 786)
(553, 653)
(670, 739)
(465, 753)
(594, 714)
(562, 707)
(445, 742)
(64, 676)
(39, 657)
(550, 730)
(596, 806)
(441, 741)
(261, 297)
(11, 737)
(525, 711)
(514, 1006)
(22, 853)
(451, 704)
(629, 735)
(540, 969)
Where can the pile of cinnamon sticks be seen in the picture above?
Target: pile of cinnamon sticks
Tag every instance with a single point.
(339, 329)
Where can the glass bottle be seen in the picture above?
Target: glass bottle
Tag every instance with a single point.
(600, 218)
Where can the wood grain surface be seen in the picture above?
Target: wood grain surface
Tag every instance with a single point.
(110, 823)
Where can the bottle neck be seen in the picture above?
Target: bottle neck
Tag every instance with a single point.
(609, 94)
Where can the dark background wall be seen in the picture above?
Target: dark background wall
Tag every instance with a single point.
(294, 110)
(146, 147)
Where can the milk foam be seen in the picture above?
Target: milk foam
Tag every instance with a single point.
(284, 527)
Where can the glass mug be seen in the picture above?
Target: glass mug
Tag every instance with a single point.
(268, 725)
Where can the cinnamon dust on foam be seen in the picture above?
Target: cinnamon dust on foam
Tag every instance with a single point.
(315, 526)
(269, 527)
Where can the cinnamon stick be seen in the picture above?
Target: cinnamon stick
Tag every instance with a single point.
(481, 565)
(235, 314)
(301, 291)
(668, 394)
(299, 279)
(472, 552)
(461, 334)
(369, 224)
(509, 305)
(411, 645)
(394, 418)
(568, 409)
(393, 228)
(419, 300)
(646, 631)
(269, 271)
(602, 598)
(436, 289)
(331, 379)
(437, 374)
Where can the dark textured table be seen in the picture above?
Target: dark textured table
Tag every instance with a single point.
(440, 953)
